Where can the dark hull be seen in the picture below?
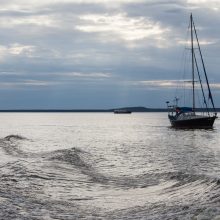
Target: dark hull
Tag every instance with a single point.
(206, 122)
(122, 112)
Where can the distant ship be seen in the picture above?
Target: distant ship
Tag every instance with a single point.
(122, 111)
(186, 117)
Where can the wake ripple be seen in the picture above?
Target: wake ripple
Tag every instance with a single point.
(70, 156)
(14, 137)
(14, 176)
(84, 162)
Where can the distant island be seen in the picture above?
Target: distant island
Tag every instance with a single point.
(132, 109)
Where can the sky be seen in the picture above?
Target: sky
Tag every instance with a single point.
(80, 54)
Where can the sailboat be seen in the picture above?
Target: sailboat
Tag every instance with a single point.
(187, 117)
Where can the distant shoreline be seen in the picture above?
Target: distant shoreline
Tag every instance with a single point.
(132, 109)
(75, 110)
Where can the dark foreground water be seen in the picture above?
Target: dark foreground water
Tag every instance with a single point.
(106, 166)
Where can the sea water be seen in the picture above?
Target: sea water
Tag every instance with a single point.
(107, 166)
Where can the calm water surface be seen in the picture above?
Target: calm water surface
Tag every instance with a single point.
(106, 166)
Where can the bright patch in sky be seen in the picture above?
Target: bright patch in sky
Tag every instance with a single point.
(170, 84)
(212, 4)
(88, 75)
(122, 26)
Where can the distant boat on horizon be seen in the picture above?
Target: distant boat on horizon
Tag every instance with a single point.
(186, 117)
(122, 111)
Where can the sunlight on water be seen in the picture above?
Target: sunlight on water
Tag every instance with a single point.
(101, 165)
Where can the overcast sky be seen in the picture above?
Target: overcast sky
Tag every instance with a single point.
(100, 53)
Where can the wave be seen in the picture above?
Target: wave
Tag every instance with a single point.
(85, 163)
(71, 156)
(14, 137)
(183, 178)
(81, 160)
(186, 185)
(11, 147)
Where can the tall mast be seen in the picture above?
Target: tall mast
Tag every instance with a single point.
(193, 77)
(204, 69)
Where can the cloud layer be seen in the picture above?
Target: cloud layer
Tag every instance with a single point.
(100, 53)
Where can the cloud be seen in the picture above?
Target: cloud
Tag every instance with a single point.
(17, 49)
(122, 26)
(170, 84)
(116, 48)
(38, 20)
(211, 4)
(88, 75)
(36, 3)
(25, 84)
(201, 42)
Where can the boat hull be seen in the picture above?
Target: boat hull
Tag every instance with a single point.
(122, 112)
(203, 122)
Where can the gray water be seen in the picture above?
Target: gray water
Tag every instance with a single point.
(106, 166)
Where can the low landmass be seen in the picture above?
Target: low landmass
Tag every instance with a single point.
(132, 109)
